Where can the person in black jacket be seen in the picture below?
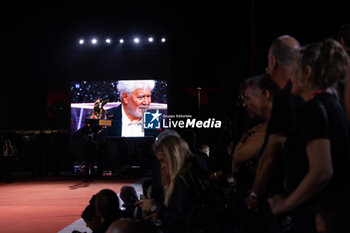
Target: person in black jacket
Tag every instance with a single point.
(185, 185)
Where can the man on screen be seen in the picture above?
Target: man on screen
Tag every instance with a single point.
(135, 96)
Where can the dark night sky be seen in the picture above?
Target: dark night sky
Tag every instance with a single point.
(209, 43)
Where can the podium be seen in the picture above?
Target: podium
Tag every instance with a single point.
(96, 125)
(98, 122)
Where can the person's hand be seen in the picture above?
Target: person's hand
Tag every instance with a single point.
(278, 204)
(146, 205)
(152, 217)
(252, 202)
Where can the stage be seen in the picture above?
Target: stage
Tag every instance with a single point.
(50, 204)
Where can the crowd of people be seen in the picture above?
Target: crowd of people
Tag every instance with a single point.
(289, 169)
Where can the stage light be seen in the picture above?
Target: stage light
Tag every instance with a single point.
(150, 39)
(94, 41)
(81, 41)
(121, 41)
(163, 40)
(108, 41)
(136, 40)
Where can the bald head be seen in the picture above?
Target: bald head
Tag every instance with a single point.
(290, 41)
(285, 48)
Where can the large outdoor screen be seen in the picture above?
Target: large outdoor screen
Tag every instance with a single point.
(117, 105)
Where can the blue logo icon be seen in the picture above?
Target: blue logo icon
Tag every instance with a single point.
(151, 120)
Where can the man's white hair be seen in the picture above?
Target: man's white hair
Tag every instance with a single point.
(164, 134)
(129, 86)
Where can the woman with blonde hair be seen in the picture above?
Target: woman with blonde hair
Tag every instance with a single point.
(185, 185)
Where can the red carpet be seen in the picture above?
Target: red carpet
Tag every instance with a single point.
(48, 204)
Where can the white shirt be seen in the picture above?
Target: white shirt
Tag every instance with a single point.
(131, 129)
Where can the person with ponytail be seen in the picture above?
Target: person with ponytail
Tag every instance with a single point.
(317, 156)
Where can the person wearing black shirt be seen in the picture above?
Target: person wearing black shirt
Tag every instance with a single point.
(318, 153)
(281, 65)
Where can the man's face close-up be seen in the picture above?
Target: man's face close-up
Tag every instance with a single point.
(138, 102)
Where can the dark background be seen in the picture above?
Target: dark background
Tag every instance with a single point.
(211, 44)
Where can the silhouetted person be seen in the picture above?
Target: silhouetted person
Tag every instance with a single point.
(9, 153)
(129, 197)
(146, 189)
(90, 151)
(1, 160)
(107, 209)
(90, 218)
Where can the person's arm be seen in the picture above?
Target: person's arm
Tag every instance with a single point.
(266, 167)
(248, 149)
(267, 162)
(319, 174)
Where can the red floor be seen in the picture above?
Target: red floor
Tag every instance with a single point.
(48, 204)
